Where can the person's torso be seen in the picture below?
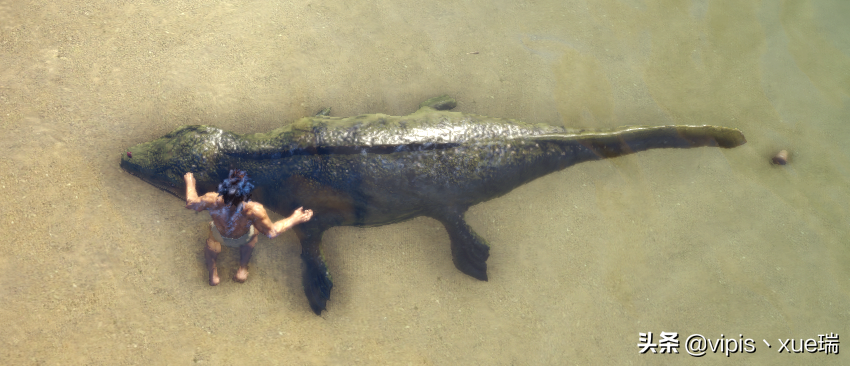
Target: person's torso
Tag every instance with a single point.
(231, 221)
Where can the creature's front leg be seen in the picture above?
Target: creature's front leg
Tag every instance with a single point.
(316, 278)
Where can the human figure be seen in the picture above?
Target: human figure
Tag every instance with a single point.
(234, 218)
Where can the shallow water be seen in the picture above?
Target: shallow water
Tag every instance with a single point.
(99, 267)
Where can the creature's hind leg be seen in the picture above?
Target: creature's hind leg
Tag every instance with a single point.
(316, 278)
(469, 251)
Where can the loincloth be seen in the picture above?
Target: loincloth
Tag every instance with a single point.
(233, 243)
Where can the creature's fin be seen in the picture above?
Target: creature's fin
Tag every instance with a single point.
(469, 251)
(324, 112)
(441, 103)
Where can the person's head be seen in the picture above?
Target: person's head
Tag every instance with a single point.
(236, 188)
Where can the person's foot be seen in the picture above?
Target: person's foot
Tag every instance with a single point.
(214, 280)
(241, 275)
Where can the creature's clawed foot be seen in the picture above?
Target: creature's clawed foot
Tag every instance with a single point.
(469, 251)
(317, 283)
(471, 257)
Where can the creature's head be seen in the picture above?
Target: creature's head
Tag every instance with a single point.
(164, 161)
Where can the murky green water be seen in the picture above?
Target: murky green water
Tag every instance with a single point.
(98, 267)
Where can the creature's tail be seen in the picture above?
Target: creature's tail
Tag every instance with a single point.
(631, 139)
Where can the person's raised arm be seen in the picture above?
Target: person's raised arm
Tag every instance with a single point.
(264, 224)
(193, 202)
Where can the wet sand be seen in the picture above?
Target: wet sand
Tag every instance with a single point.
(98, 267)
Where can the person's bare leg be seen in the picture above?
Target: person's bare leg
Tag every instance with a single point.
(245, 252)
(211, 253)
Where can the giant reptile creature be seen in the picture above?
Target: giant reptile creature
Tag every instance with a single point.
(375, 169)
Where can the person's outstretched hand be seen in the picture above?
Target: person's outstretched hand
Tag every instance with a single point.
(190, 179)
(301, 215)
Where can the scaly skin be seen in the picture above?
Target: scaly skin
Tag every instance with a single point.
(376, 169)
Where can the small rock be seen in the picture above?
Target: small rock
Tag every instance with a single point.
(781, 158)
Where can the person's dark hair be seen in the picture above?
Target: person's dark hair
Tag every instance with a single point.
(236, 188)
